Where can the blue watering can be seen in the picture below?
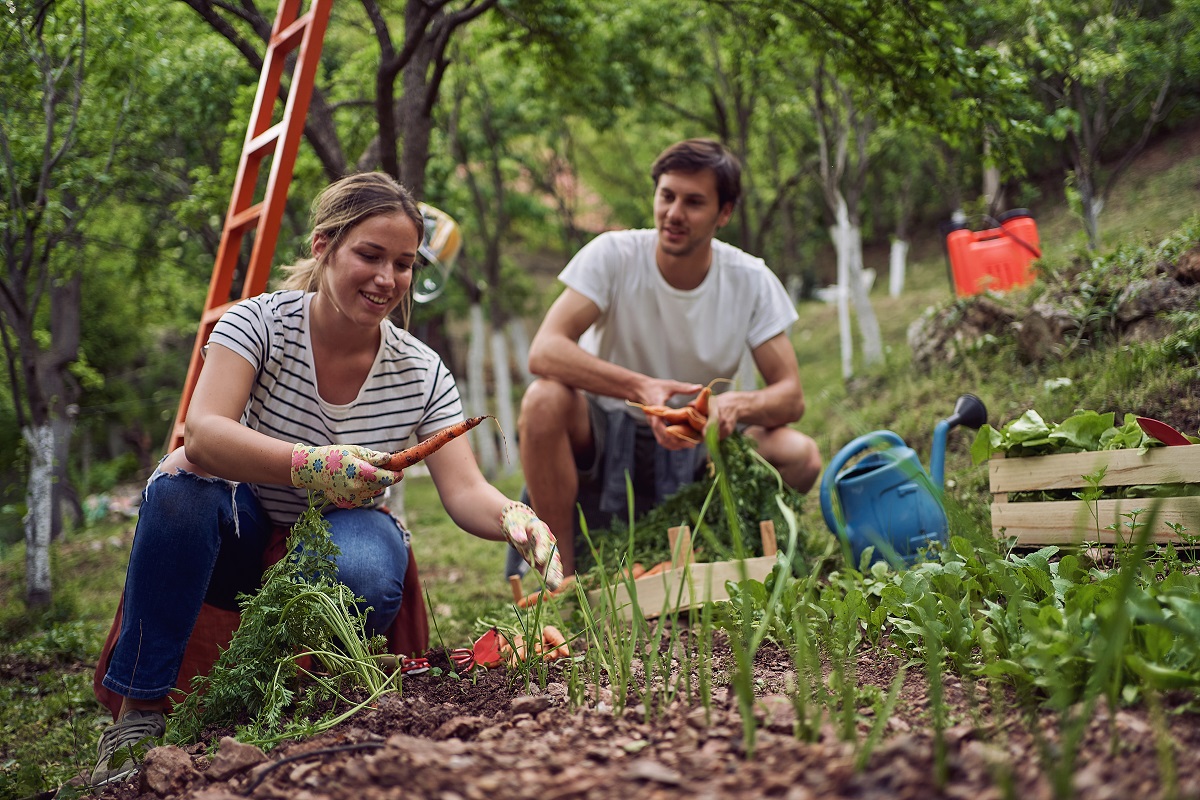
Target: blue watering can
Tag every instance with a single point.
(887, 499)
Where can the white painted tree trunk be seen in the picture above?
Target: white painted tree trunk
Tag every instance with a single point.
(845, 334)
(502, 380)
(39, 498)
(519, 337)
(483, 439)
(847, 240)
(897, 264)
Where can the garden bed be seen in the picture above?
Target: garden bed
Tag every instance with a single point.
(483, 739)
(1157, 471)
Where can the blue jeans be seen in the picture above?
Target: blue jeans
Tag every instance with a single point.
(201, 540)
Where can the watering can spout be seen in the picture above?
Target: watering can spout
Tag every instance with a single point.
(969, 411)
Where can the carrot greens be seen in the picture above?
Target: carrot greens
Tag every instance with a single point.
(301, 611)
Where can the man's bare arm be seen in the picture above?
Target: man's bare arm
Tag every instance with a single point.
(779, 402)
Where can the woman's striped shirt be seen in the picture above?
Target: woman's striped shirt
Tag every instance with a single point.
(408, 391)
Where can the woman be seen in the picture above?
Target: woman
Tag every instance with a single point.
(303, 390)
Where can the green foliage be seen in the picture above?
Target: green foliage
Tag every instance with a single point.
(755, 487)
(300, 610)
(1043, 622)
(1084, 431)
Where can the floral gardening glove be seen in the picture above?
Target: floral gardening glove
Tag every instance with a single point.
(530, 537)
(347, 475)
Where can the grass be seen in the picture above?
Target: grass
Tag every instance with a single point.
(49, 721)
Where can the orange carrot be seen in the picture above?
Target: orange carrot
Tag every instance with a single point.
(701, 401)
(554, 644)
(669, 415)
(696, 419)
(684, 432)
(658, 569)
(422, 450)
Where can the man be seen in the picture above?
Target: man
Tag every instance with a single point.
(651, 316)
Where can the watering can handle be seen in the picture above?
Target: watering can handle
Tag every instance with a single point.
(856, 446)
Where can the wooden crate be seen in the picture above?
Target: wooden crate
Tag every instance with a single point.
(1071, 521)
(687, 584)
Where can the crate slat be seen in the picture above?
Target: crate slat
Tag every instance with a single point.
(700, 582)
(1066, 470)
(1070, 521)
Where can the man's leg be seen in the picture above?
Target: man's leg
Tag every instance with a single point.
(554, 427)
(793, 453)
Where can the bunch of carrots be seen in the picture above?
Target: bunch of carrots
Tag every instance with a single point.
(687, 422)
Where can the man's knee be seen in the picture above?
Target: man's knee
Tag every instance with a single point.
(544, 401)
(552, 408)
(793, 453)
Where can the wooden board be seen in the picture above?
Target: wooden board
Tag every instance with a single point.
(681, 588)
(1072, 521)
(1066, 470)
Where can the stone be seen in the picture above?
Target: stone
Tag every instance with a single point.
(460, 727)
(526, 704)
(647, 769)
(233, 757)
(166, 771)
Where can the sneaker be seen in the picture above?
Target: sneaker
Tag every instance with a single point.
(121, 738)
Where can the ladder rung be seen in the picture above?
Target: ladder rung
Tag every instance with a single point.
(244, 220)
(289, 38)
(263, 144)
(213, 314)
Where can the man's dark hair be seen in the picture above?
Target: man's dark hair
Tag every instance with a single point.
(693, 155)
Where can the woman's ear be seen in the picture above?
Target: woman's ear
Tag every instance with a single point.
(319, 243)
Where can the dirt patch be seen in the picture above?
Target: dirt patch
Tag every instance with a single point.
(485, 737)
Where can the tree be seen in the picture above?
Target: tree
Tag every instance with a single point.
(417, 58)
(44, 170)
(843, 130)
(1105, 72)
(97, 139)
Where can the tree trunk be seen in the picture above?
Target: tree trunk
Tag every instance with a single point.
(1090, 207)
(519, 337)
(63, 391)
(414, 110)
(840, 233)
(847, 241)
(485, 442)
(868, 325)
(39, 499)
(897, 264)
(502, 380)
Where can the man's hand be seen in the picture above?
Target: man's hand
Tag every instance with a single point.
(656, 392)
(533, 539)
(348, 476)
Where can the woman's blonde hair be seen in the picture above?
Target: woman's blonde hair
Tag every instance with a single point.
(342, 205)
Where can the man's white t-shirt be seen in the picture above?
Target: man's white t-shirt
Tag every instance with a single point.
(649, 326)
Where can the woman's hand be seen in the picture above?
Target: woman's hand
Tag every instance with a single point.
(532, 538)
(347, 475)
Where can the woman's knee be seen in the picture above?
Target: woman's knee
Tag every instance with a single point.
(373, 556)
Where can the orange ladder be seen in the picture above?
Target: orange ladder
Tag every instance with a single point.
(292, 31)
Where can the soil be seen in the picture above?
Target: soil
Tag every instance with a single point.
(487, 737)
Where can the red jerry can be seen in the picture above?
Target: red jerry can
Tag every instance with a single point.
(994, 259)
